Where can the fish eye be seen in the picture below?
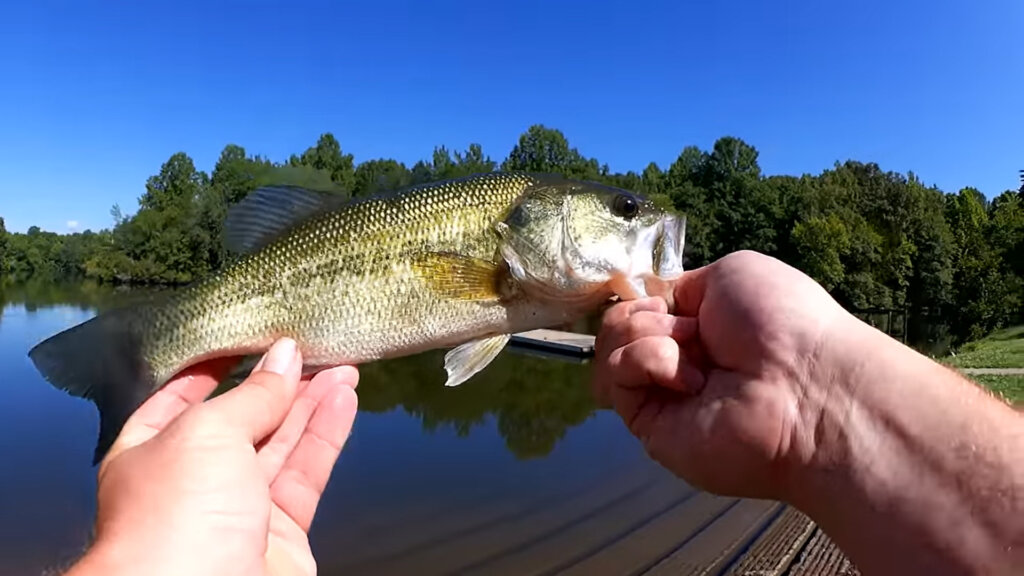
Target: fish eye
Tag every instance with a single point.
(625, 206)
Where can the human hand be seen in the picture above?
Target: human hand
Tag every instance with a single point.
(715, 390)
(225, 486)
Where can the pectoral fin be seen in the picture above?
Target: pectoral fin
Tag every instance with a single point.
(457, 276)
(462, 362)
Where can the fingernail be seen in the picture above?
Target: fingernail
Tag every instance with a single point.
(280, 356)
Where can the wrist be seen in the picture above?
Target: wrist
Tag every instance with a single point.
(901, 453)
(824, 386)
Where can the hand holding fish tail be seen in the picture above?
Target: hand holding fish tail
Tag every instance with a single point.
(227, 485)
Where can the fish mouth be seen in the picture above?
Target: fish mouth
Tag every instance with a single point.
(657, 260)
(668, 248)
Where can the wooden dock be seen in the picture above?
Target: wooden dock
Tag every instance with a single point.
(639, 522)
(556, 341)
(634, 524)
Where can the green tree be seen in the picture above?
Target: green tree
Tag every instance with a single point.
(546, 150)
(474, 161)
(980, 290)
(166, 240)
(652, 181)
(327, 156)
(682, 184)
(873, 238)
(234, 176)
(930, 287)
(1006, 237)
(821, 243)
(4, 241)
(795, 201)
(745, 210)
(380, 175)
(1006, 233)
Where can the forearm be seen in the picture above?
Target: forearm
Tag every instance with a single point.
(914, 469)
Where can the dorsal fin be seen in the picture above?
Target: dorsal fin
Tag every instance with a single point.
(269, 212)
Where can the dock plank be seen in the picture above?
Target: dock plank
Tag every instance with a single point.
(546, 552)
(720, 542)
(823, 558)
(468, 548)
(632, 552)
(556, 341)
(777, 547)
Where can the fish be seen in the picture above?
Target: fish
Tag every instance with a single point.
(460, 264)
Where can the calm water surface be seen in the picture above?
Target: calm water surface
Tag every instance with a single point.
(425, 465)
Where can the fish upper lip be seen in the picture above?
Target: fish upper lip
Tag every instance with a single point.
(670, 246)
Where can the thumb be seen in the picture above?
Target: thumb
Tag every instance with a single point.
(689, 291)
(257, 406)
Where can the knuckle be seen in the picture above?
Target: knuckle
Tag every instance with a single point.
(653, 351)
(659, 304)
(615, 314)
(612, 363)
(666, 350)
(642, 324)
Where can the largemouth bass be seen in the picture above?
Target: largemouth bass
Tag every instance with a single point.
(461, 264)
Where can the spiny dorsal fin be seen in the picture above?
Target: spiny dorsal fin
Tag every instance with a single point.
(463, 361)
(269, 212)
(459, 277)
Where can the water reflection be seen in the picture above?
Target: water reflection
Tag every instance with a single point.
(39, 294)
(534, 399)
(514, 471)
(424, 463)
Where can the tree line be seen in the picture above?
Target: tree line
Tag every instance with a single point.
(874, 239)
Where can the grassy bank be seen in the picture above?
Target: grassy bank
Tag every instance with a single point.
(1010, 387)
(1001, 349)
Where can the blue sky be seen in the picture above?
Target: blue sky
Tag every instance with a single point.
(94, 96)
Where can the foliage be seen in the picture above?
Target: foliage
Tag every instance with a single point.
(1002, 349)
(874, 239)
(3, 247)
(1009, 387)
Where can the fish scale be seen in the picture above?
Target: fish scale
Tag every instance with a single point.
(337, 273)
(460, 263)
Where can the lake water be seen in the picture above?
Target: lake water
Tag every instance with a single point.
(432, 479)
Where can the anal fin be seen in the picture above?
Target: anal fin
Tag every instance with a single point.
(463, 361)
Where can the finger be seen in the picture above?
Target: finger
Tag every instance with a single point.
(623, 310)
(690, 289)
(643, 324)
(641, 408)
(276, 448)
(655, 360)
(600, 386)
(260, 403)
(301, 482)
(620, 313)
(649, 362)
(190, 387)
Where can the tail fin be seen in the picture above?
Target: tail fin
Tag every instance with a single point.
(101, 360)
